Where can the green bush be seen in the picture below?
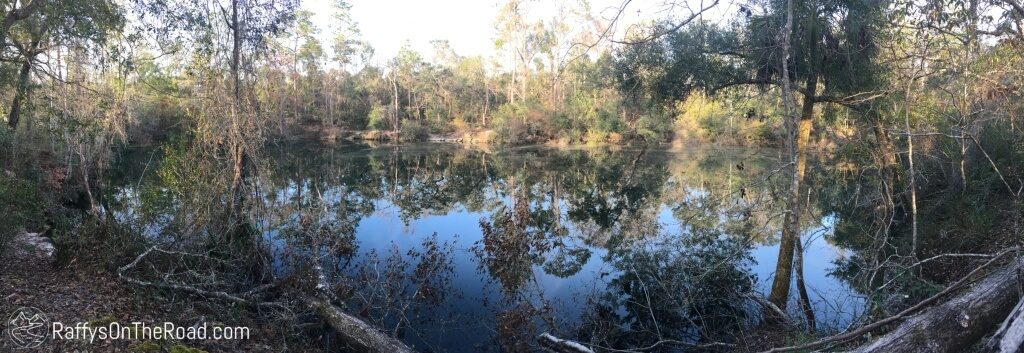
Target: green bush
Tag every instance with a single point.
(414, 131)
(508, 124)
(764, 134)
(608, 121)
(6, 146)
(654, 127)
(562, 122)
(699, 112)
(378, 119)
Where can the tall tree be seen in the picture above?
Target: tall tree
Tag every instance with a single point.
(250, 23)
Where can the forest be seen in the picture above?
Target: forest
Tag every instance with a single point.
(743, 175)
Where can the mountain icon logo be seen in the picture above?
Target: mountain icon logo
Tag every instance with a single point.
(26, 327)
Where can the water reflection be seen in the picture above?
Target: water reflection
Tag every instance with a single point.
(461, 250)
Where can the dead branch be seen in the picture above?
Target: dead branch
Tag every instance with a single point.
(558, 345)
(850, 335)
(186, 288)
(353, 331)
(676, 27)
(957, 324)
(770, 307)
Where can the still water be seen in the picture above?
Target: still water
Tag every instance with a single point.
(459, 250)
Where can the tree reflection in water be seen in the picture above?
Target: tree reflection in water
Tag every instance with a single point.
(618, 248)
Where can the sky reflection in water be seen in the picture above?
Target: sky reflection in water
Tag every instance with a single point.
(584, 209)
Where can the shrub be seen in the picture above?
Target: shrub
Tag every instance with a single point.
(698, 116)
(654, 127)
(460, 125)
(764, 134)
(378, 119)
(607, 120)
(6, 145)
(413, 131)
(595, 137)
(614, 137)
(509, 125)
(714, 128)
(562, 122)
(19, 204)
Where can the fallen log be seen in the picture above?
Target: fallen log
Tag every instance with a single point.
(959, 323)
(859, 332)
(1010, 335)
(355, 332)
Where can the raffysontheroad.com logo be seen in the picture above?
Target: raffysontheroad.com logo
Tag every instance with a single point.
(26, 327)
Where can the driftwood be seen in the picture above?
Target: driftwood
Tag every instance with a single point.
(1010, 335)
(957, 324)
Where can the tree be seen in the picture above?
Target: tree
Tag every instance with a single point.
(14, 13)
(828, 40)
(41, 25)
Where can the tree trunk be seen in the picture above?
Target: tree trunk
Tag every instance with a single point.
(19, 97)
(84, 169)
(913, 181)
(394, 87)
(957, 324)
(512, 84)
(353, 331)
(237, 146)
(791, 222)
(916, 70)
(780, 284)
(805, 299)
(238, 177)
(23, 81)
(884, 144)
(487, 102)
(236, 50)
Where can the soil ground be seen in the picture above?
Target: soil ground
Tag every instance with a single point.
(83, 292)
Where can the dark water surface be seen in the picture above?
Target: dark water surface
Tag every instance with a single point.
(462, 251)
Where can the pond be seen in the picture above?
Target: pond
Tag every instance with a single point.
(460, 250)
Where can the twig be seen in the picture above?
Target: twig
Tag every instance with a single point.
(185, 288)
